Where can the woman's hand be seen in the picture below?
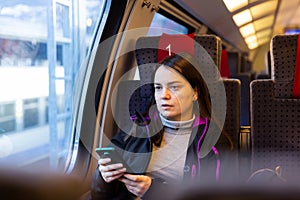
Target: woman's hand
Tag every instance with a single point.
(136, 184)
(110, 172)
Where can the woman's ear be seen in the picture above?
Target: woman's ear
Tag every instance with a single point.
(195, 96)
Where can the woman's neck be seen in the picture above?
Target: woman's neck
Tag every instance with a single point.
(177, 124)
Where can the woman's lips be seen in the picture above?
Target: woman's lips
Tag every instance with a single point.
(166, 106)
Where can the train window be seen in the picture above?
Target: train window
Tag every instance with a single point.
(290, 31)
(162, 24)
(42, 46)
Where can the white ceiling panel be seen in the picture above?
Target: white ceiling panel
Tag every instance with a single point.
(215, 15)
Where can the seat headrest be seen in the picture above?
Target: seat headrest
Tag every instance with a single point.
(224, 68)
(147, 53)
(283, 61)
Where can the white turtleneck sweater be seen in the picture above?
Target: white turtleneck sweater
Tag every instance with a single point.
(167, 161)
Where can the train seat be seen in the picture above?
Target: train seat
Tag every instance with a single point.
(233, 61)
(134, 99)
(147, 53)
(275, 113)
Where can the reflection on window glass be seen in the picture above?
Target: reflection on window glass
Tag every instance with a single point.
(161, 24)
(42, 45)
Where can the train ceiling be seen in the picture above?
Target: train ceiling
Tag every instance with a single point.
(247, 25)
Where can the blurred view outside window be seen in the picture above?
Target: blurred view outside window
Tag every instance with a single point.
(42, 45)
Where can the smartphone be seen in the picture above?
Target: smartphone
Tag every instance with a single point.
(109, 152)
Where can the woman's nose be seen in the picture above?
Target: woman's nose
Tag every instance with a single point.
(165, 93)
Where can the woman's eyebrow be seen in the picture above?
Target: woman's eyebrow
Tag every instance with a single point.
(170, 83)
(174, 82)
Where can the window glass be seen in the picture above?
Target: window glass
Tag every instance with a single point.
(161, 24)
(42, 45)
(291, 31)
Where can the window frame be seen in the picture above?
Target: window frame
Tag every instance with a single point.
(83, 126)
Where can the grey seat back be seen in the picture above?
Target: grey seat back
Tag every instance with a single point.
(275, 115)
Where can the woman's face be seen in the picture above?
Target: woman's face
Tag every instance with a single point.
(173, 94)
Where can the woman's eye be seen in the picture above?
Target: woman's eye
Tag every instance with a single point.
(157, 87)
(174, 87)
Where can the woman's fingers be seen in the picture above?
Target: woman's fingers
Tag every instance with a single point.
(110, 172)
(104, 161)
(136, 184)
(110, 175)
(113, 175)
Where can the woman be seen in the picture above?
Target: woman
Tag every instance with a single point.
(169, 144)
